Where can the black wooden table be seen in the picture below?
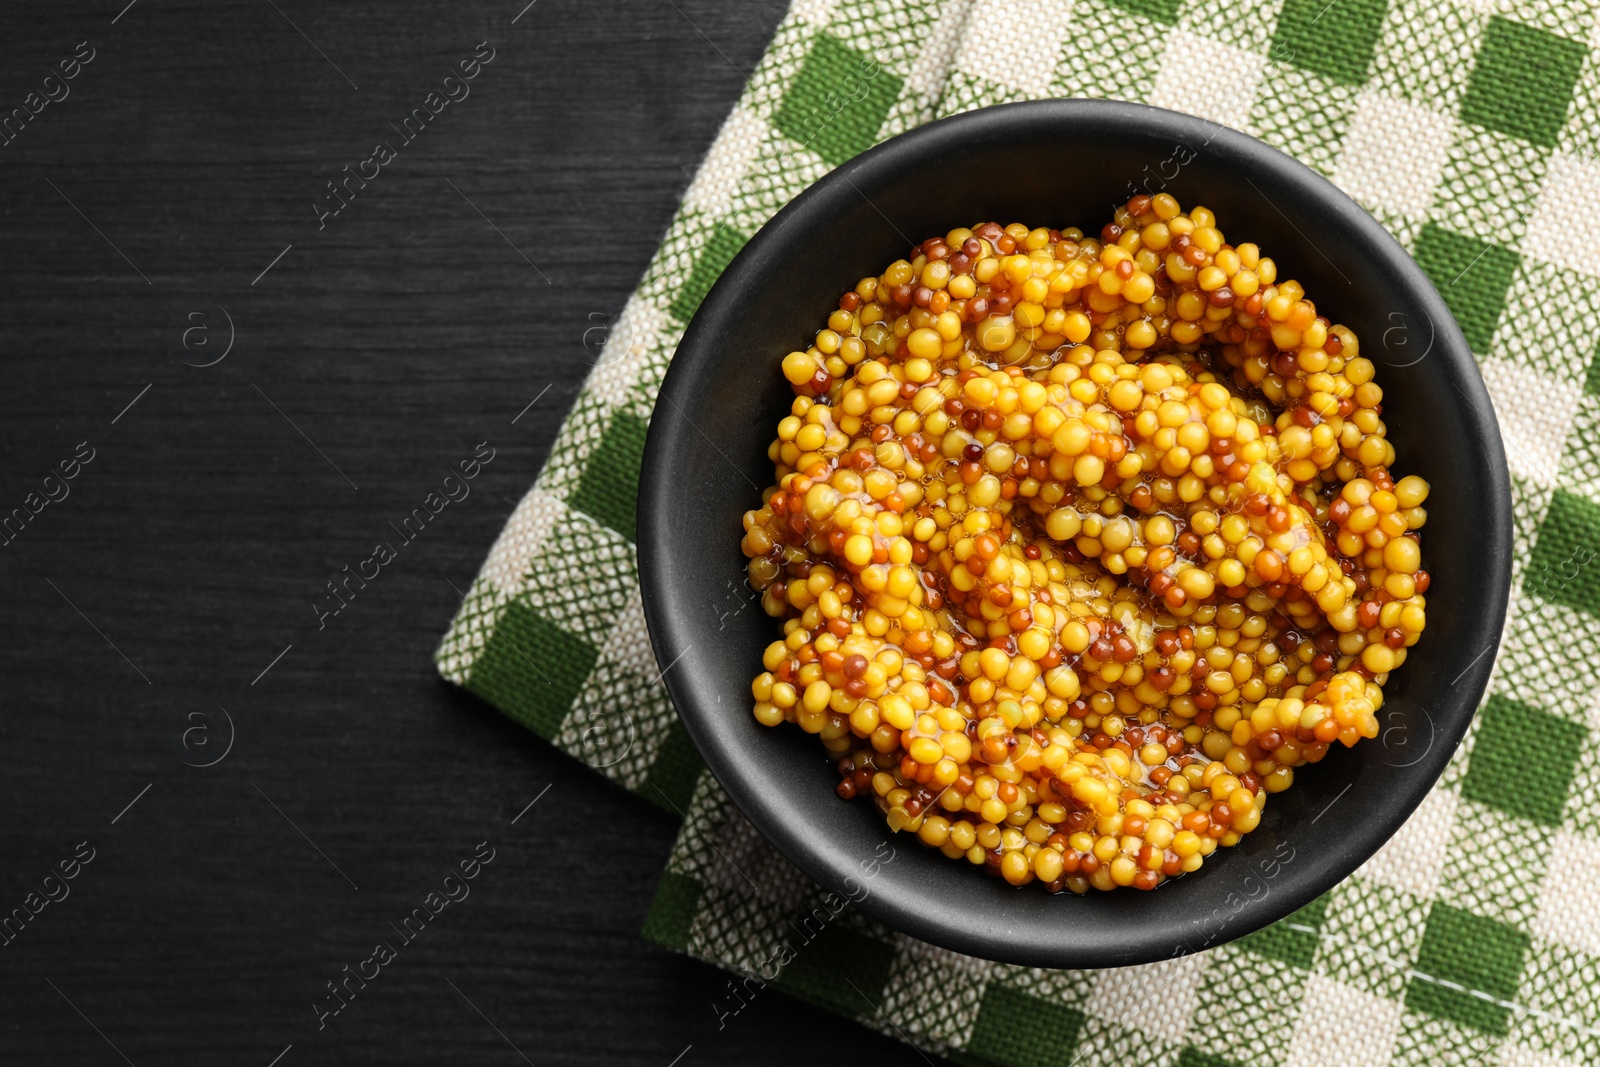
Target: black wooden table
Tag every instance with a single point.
(218, 394)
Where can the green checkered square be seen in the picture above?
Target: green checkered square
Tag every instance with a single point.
(838, 101)
(1522, 84)
(532, 669)
(1008, 1028)
(1566, 559)
(838, 969)
(609, 486)
(672, 911)
(1475, 965)
(1522, 761)
(1336, 41)
(1472, 275)
(674, 770)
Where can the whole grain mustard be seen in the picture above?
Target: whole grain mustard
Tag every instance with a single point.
(1082, 545)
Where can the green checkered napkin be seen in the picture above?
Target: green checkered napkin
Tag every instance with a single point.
(1469, 130)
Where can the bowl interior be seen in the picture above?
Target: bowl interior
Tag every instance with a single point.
(1064, 163)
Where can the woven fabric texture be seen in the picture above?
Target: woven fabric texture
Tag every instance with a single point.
(1470, 131)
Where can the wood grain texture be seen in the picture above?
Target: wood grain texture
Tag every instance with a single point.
(374, 354)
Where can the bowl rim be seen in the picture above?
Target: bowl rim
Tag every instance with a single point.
(667, 628)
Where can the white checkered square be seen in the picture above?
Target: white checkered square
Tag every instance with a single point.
(931, 68)
(1016, 43)
(1394, 154)
(1343, 1027)
(1224, 94)
(1122, 996)
(617, 723)
(470, 630)
(718, 178)
(1414, 856)
(1535, 413)
(1571, 191)
(1104, 1040)
(1569, 900)
(1513, 1054)
(780, 171)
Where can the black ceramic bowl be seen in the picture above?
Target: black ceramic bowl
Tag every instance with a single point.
(1062, 163)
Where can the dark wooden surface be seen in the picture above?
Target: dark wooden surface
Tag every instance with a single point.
(190, 551)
